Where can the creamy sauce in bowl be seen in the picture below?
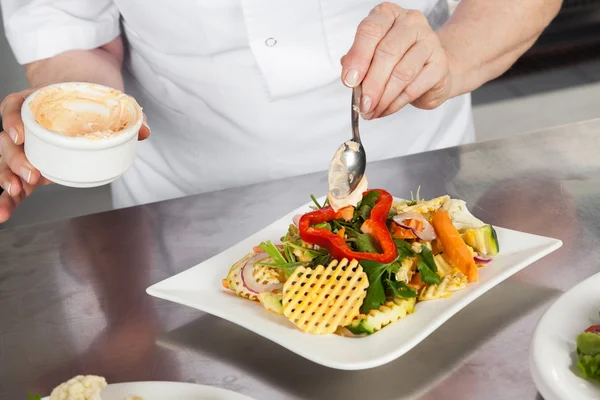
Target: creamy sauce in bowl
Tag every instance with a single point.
(86, 110)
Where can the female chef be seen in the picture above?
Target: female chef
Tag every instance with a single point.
(243, 91)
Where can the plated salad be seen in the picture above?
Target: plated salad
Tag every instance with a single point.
(354, 270)
(588, 353)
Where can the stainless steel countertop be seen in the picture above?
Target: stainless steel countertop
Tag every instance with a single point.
(73, 301)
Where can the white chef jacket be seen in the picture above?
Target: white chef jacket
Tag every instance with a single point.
(236, 91)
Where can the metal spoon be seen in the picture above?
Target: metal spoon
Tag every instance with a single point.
(348, 165)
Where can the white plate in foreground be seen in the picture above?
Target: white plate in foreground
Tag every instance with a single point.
(167, 391)
(552, 355)
(200, 287)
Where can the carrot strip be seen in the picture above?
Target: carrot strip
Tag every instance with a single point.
(454, 246)
(416, 282)
(402, 233)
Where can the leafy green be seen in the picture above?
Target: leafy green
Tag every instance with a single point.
(312, 197)
(392, 214)
(273, 252)
(35, 397)
(401, 289)
(375, 272)
(363, 212)
(414, 201)
(360, 329)
(322, 259)
(351, 230)
(375, 292)
(306, 251)
(589, 364)
(288, 254)
(404, 249)
(366, 243)
(427, 268)
(364, 208)
(369, 199)
(286, 265)
(292, 235)
(323, 225)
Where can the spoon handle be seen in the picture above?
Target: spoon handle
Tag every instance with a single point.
(356, 95)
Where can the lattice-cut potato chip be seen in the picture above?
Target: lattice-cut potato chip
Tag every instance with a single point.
(234, 279)
(392, 311)
(319, 300)
(265, 274)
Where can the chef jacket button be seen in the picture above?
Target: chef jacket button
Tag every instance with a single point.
(270, 42)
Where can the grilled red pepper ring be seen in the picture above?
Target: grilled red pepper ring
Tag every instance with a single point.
(337, 246)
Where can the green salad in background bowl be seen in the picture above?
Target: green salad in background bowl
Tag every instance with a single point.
(588, 353)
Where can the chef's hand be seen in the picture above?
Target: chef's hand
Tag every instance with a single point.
(18, 177)
(400, 60)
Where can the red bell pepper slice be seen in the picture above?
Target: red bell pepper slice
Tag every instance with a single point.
(337, 246)
(593, 329)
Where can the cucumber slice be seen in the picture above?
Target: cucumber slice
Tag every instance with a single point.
(483, 240)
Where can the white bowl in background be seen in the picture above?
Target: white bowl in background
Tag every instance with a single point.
(80, 161)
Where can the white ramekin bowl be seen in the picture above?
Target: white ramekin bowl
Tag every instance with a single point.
(80, 161)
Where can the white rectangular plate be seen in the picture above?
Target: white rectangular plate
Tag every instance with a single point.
(200, 287)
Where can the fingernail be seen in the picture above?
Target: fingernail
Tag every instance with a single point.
(25, 174)
(365, 104)
(14, 135)
(351, 78)
(367, 116)
(7, 185)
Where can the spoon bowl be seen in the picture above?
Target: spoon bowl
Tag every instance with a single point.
(348, 165)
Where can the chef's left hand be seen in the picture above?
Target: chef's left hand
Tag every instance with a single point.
(400, 60)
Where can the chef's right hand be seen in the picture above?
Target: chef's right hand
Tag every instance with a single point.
(18, 177)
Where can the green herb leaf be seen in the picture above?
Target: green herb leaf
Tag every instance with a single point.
(315, 201)
(292, 235)
(401, 289)
(404, 249)
(309, 252)
(287, 252)
(375, 292)
(367, 243)
(392, 214)
(427, 268)
(323, 225)
(360, 329)
(368, 200)
(273, 252)
(323, 259)
(363, 212)
(286, 265)
(351, 230)
(393, 267)
(35, 397)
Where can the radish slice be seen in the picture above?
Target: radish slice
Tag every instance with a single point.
(296, 219)
(427, 234)
(481, 259)
(250, 282)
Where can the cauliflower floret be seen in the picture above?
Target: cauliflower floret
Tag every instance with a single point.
(79, 388)
(461, 217)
